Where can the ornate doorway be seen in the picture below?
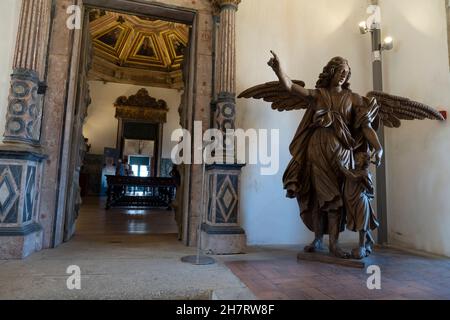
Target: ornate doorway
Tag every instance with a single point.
(161, 12)
(48, 102)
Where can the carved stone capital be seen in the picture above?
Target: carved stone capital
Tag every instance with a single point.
(226, 4)
(226, 97)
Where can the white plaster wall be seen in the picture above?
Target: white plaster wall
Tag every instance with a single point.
(9, 21)
(418, 153)
(305, 34)
(101, 125)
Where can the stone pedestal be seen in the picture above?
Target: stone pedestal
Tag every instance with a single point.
(19, 243)
(221, 232)
(20, 176)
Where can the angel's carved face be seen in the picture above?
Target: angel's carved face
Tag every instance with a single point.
(340, 75)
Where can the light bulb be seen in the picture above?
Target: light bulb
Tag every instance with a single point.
(363, 27)
(388, 43)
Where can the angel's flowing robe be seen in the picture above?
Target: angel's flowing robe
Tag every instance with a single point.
(328, 135)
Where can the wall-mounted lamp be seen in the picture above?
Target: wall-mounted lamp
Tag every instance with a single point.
(363, 27)
(388, 43)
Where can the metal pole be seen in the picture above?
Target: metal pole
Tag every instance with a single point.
(199, 232)
(377, 67)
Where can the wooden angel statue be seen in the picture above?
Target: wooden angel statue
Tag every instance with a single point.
(337, 124)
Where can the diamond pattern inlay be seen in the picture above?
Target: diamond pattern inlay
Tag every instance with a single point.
(8, 193)
(227, 199)
(5, 194)
(30, 194)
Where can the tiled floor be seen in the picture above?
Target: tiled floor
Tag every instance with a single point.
(95, 221)
(125, 254)
(403, 276)
(122, 254)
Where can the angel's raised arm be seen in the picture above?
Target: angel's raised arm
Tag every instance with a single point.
(287, 83)
(286, 94)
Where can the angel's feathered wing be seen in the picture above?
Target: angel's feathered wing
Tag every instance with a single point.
(274, 92)
(393, 109)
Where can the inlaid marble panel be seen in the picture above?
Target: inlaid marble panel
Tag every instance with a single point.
(10, 182)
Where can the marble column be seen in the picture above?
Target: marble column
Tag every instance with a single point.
(21, 158)
(221, 230)
(24, 113)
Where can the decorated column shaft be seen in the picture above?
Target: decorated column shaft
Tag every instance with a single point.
(24, 113)
(226, 68)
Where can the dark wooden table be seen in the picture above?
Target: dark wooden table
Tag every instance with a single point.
(130, 191)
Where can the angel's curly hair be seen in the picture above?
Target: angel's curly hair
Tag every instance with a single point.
(328, 73)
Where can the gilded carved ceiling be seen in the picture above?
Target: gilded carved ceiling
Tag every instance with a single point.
(137, 50)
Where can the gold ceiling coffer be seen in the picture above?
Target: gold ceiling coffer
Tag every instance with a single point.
(141, 106)
(137, 50)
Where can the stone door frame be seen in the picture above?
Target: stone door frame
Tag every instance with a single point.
(159, 10)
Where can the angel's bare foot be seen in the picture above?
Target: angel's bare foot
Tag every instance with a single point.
(359, 253)
(369, 248)
(316, 245)
(338, 252)
(369, 244)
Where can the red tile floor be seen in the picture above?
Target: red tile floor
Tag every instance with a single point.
(403, 276)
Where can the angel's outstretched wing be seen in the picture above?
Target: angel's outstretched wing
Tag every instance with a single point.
(393, 109)
(274, 92)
